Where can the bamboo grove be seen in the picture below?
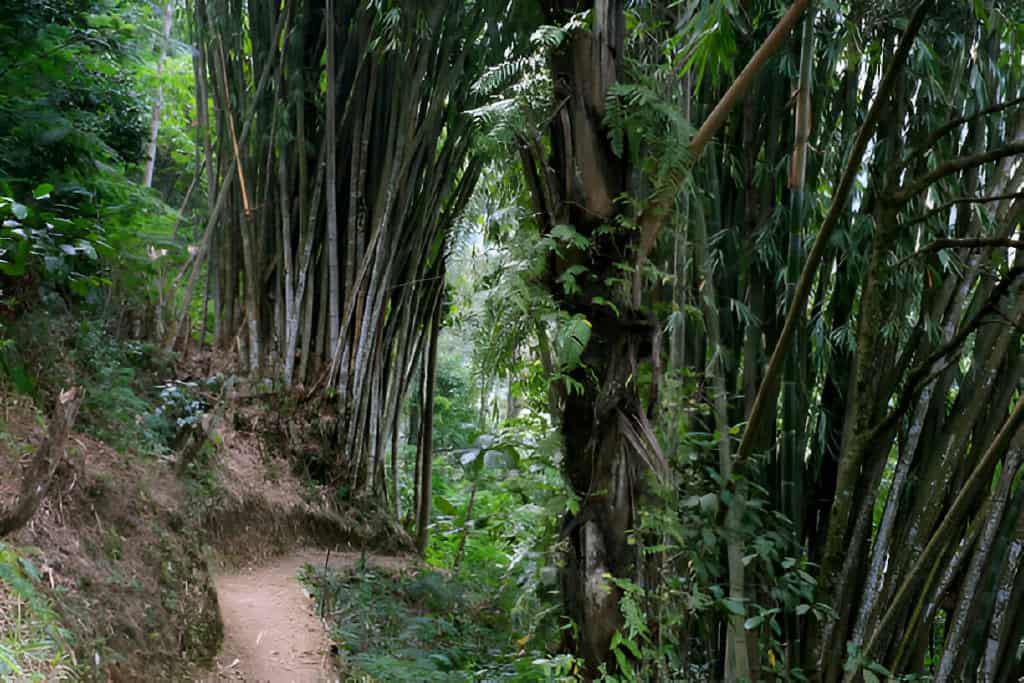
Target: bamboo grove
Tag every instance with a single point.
(900, 394)
(846, 268)
(907, 364)
(337, 161)
(793, 234)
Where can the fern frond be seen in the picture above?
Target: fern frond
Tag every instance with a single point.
(500, 76)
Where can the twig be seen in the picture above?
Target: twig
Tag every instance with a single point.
(188, 196)
(323, 583)
(952, 166)
(921, 375)
(966, 242)
(950, 125)
(963, 200)
(35, 483)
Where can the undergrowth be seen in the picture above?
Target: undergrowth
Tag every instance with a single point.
(427, 626)
(109, 597)
(34, 646)
(128, 402)
(122, 401)
(485, 605)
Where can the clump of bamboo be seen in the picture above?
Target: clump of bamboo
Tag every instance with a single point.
(342, 159)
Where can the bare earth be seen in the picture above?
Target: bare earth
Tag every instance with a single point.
(270, 630)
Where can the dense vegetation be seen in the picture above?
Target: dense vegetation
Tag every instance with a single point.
(684, 338)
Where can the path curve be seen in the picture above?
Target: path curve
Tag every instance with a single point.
(270, 630)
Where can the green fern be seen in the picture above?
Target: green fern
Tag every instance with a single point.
(500, 76)
(638, 119)
(518, 90)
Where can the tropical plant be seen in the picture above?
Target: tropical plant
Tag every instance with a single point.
(34, 645)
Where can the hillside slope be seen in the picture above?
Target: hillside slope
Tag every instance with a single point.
(114, 571)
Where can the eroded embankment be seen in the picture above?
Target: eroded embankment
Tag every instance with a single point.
(128, 545)
(116, 553)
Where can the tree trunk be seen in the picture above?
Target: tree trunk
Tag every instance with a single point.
(737, 664)
(396, 491)
(992, 515)
(791, 456)
(333, 273)
(998, 644)
(35, 482)
(608, 444)
(158, 99)
(426, 454)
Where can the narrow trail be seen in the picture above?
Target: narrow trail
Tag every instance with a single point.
(270, 630)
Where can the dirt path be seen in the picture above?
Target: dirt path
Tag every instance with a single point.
(270, 630)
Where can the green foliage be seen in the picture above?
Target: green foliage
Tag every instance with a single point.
(686, 538)
(411, 628)
(70, 98)
(34, 645)
(72, 121)
(455, 418)
(572, 339)
(507, 541)
(12, 369)
(706, 38)
(126, 404)
(48, 243)
(640, 120)
(202, 481)
(425, 626)
(871, 671)
(519, 89)
(179, 403)
(115, 404)
(496, 496)
(504, 311)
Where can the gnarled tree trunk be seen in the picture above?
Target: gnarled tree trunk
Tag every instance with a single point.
(35, 481)
(608, 441)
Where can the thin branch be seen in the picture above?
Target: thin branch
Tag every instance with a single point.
(920, 376)
(963, 200)
(1008, 320)
(954, 123)
(716, 119)
(418, 281)
(230, 116)
(953, 166)
(188, 196)
(965, 242)
(35, 482)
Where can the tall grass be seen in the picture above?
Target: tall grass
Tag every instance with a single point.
(33, 643)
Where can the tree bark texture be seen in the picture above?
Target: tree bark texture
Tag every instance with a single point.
(608, 442)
